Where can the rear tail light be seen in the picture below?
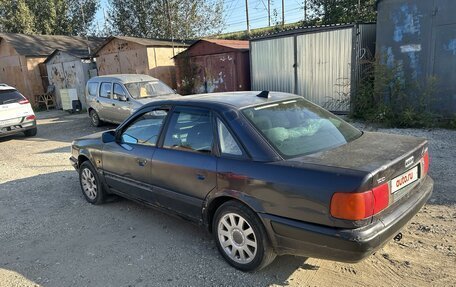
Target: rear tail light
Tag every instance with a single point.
(361, 205)
(24, 101)
(31, 117)
(425, 162)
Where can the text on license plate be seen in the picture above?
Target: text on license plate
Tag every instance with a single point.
(404, 179)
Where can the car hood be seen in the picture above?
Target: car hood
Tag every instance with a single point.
(369, 153)
(94, 136)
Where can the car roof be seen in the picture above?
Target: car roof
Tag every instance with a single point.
(124, 78)
(237, 100)
(5, 87)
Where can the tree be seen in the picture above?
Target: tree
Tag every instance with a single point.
(166, 19)
(343, 11)
(55, 17)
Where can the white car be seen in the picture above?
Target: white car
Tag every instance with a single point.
(16, 113)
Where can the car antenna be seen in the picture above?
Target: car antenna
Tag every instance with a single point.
(263, 94)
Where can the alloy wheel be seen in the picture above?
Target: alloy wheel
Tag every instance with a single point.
(89, 184)
(237, 238)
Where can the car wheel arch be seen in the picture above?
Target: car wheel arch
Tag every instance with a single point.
(214, 202)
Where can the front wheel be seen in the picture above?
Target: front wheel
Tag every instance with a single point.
(90, 183)
(95, 119)
(241, 238)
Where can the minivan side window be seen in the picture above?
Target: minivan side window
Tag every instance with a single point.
(92, 89)
(118, 91)
(105, 90)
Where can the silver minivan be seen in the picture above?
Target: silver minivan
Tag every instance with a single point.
(113, 98)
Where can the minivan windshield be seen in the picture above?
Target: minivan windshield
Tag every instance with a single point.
(148, 89)
(297, 127)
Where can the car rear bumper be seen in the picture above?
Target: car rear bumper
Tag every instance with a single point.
(345, 245)
(15, 129)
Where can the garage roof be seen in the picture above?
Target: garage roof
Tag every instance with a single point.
(44, 45)
(141, 41)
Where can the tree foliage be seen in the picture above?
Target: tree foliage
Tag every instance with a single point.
(342, 11)
(53, 17)
(166, 19)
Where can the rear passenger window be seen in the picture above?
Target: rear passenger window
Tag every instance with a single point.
(105, 90)
(228, 145)
(190, 131)
(92, 89)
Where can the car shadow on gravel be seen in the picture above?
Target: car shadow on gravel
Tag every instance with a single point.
(53, 237)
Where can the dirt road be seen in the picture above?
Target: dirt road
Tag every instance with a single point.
(49, 235)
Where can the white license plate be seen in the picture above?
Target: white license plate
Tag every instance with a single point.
(404, 179)
(9, 122)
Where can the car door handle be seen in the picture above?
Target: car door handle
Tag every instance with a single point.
(141, 161)
(200, 176)
(113, 104)
(98, 101)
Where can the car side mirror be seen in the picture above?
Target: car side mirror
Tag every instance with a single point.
(122, 98)
(109, 136)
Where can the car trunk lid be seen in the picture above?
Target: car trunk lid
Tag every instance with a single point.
(390, 159)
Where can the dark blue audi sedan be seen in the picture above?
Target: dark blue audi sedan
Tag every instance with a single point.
(267, 173)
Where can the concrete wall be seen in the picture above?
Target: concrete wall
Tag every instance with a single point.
(124, 57)
(20, 72)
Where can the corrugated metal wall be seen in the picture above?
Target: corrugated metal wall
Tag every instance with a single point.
(272, 63)
(324, 68)
(322, 64)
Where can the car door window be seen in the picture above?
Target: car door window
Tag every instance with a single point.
(92, 89)
(118, 91)
(145, 129)
(190, 130)
(105, 90)
(228, 145)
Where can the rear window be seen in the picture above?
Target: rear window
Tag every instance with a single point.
(297, 127)
(10, 96)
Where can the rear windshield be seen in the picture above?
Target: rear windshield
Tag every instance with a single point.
(10, 96)
(297, 127)
(148, 89)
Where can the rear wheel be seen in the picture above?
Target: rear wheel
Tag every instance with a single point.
(31, 132)
(241, 238)
(95, 119)
(90, 183)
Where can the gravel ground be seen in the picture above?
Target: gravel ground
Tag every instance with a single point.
(49, 235)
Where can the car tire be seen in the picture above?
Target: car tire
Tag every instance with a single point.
(243, 243)
(91, 186)
(31, 132)
(95, 119)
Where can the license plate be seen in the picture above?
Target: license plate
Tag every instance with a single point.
(8, 122)
(404, 179)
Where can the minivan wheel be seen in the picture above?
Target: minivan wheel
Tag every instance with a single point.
(241, 238)
(31, 132)
(95, 119)
(90, 183)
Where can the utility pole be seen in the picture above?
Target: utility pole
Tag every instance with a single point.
(269, 13)
(170, 23)
(283, 13)
(305, 11)
(247, 15)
